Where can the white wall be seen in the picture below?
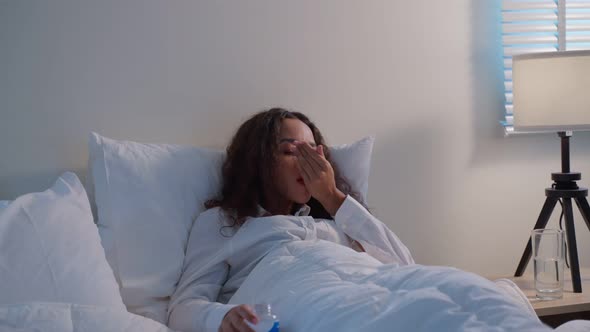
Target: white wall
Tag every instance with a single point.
(421, 75)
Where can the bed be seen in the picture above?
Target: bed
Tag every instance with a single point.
(107, 256)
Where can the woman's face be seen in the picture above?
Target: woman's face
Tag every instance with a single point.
(287, 178)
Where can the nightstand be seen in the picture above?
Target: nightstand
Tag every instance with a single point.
(556, 312)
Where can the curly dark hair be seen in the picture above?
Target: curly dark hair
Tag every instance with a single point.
(250, 156)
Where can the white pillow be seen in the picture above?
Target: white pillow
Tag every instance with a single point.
(354, 163)
(147, 197)
(50, 249)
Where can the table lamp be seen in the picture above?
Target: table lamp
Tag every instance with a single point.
(552, 94)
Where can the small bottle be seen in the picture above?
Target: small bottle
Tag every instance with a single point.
(267, 322)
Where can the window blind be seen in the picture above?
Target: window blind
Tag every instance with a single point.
(532, 26)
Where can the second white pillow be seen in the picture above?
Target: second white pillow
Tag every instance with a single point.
(50, 249)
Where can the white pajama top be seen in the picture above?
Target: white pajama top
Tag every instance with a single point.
(218, 259)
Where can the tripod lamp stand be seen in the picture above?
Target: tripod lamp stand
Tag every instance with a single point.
(552, 94)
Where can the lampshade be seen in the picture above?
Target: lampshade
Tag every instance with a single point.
(551, 91)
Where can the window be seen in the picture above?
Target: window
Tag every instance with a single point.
(531, 26)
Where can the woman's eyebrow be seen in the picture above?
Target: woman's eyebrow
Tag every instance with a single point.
(292, 140)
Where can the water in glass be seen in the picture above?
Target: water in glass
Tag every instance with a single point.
(548, 278)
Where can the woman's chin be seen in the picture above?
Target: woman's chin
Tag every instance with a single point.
(302, 199)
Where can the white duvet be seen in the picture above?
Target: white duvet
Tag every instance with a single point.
(62, 317)
(322, 286)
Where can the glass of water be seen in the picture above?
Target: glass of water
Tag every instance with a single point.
(548, 254)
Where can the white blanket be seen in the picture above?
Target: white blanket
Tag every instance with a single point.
(322, 286)
(62, 317)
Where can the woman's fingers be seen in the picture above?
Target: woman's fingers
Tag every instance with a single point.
(235, 319)
(314, 156)
(311, 156)
(227, 325)
(233, 327)
(247, 314)
(303, 168)
(241, 326)
(306, 164)
(230, 328)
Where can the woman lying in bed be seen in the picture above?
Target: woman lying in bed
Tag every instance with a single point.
(277, 165)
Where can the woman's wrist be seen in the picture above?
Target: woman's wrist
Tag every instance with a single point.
(333, 201)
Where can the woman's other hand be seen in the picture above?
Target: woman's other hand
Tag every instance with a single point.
(235, 319)
(318, 176)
